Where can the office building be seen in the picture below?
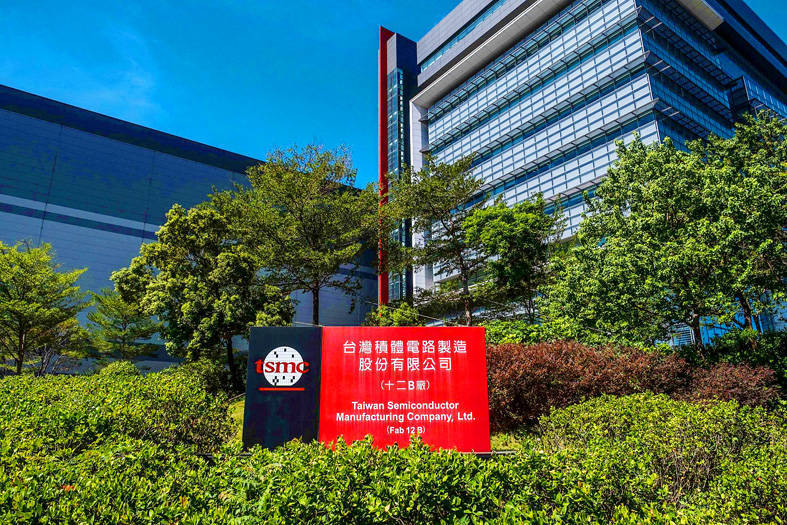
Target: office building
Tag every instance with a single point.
(96, 188)
(540, 90)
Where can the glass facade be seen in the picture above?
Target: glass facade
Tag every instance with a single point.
(400, 81)
(443, 49)
(542, 115)
(531, 115)
(97, 198)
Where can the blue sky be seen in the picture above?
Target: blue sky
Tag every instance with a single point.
(246, 76)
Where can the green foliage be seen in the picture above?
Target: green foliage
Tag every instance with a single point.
(117, 326)
(653, 449)
(749, 174)
(64, 415)
(35, 298)
(636, 459)
(676, 237)
(520, 331)
(399, 314)
(120, 368)
(435, 198)
(305, 222)
(212, 375)
(204, 283)
(519, 241)
(122, 480)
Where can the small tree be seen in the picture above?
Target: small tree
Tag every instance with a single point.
(309, 226)
(117, 327)
(204, 284)
(35, 297)
(519, 241)
(64, 342)
(437, 199)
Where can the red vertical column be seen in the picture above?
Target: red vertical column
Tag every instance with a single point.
(382, 104)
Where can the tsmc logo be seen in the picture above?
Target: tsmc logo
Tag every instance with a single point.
(282, 368)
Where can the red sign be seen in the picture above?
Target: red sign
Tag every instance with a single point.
(394, 382)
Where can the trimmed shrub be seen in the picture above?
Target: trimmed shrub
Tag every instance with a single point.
(526, 381)
(642, 449)
(67, 414)
(752, 348)
(743, 383)
(519, 331)
(120, 368)
(514, 332)
(635, 459)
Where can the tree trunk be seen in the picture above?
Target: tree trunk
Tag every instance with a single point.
(316, 306)
(468, 308)
(746, 308)
(20, 356)
(694, 324)
(234, 379)
(757, 323)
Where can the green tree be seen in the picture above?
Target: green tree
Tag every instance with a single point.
(35, 297)
(676, 237)
(204, 284)
(749, 172)
(646, 257)
(117, 326)
(309, 225)
(439, 199)
(519, 241)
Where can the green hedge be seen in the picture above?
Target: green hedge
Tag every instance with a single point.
(67, 414)
(634, 459)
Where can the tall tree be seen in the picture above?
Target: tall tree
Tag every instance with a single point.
(204, 284)
(645, 256)
(439, 198)
(35, 297)
(118, 328)
(749, 172)
(309, 225)
(520, 240)
(679, 237)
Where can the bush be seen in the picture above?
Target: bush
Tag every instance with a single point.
(513, 332)
(517, 331)
(644, 448)
(120, 480)
(635, 459)
(213, 376)
(743, 383)
(753, 348)
(63, 415)
(526, 381)
(395, 314)
(120, 368)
